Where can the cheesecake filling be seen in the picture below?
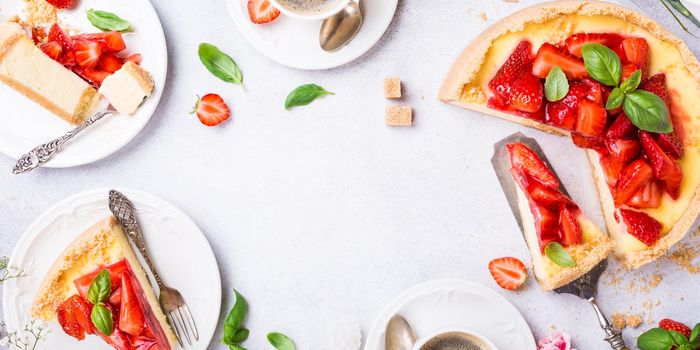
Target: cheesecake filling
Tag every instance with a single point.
(127, 88)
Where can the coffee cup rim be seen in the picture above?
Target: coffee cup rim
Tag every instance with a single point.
(423, 340)
(314, 16)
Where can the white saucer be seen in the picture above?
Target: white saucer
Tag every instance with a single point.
(456, 304)
(294, 42)
(179, 249)
(24, 124)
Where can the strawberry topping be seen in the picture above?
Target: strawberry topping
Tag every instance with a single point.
(576, 41)
(549, 56)
(641, 225)
(665, 168)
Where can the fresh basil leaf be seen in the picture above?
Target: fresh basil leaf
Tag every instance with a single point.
(694, 339)
(655, 339)
(102, 319)
(235, 318)
(678, 337)
(281, 341)
(107, 21)
(100, 288)
(241, 335)
(602, 63)
(304, 94)
(236, 347)
(556, 86)
(684, 347)
(632, 82)
(615, 99)
(647, 111)
(220, 64)
(559, 255)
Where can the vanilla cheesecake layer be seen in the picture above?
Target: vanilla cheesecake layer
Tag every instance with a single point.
(127, 88)
(27, 69)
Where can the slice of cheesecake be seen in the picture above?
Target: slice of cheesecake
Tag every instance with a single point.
(138, 321)
(549, 218)
(27, 69)
(127, 88)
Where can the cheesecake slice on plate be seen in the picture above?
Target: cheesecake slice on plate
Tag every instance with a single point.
(100, 272)
(632, 101)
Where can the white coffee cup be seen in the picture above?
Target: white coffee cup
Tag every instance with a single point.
(329, 10)
(477, 338)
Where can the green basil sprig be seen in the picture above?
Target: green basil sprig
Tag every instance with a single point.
(304, 94)
(646, 110)
(281, 341)
(559, 255)
(220, 64)
(107, 21)
(556, 86)
(661, 339)
(99, 291)
(234, 332)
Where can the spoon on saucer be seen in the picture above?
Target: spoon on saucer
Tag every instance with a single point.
(339, 29)
(399, 334)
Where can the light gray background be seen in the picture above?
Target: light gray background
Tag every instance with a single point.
(322, 214)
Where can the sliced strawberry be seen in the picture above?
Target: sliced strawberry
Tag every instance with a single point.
(262, 11)
(562, 113)
(592, 142)
(143, 343)
(93, 76)
(622, 127)
(628, 69)
(524, 159)
(517, 62)
(576, 41)
(57, 34)
(641, 226)
(665, 168)
(87, 54)
(612, 167)
(119, 340)
(588, 89)
(591, 118)
(624, 150)
(648, 196)
(671, 325)
(52, 49)
(569, 227)
(135, 58)
(110, 64)
(526, 93)
(68, 59)
(547, 197)
(211, 110)
(633, 177)
(657, 85)
(637, 52)
(115, 299)
(82, 284)
(63, 4)
(74, 317)
(38, 35)
(131, 317)
(546, 224)
(549, 56)
(111, 42)
(510, 273)
(671, 144)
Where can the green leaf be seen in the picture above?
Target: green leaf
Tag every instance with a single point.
(632, 82)
(647, 111)
(559, 255)
(234, 320)
(241, 335)
(694, 339)
(655, 339)
(678, 337)
(280, 341)
(100, 288)
(236, 347)
(102, 319)
(556, 86)
(220, 64)
(107, 21)
(684, 347)
(305, 94)
(602, 63)
(615, 99)
(4, 261)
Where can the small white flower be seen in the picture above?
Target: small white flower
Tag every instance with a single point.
(4, 341)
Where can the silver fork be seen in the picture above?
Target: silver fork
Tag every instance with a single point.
(171, 300)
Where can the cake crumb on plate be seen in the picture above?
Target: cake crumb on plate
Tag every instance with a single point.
(39, 13)
(392, 88)
(399, 116)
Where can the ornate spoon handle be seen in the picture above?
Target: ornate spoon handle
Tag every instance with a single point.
(44, 152)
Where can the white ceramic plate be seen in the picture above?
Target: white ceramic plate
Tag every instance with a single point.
(294, 42)
(456, 304)
(179, 249)
(24, 124)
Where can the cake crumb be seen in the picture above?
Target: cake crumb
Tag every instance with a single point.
(39, 13)
(392, 88)
(483, 16)
(510, 1)
(683, 256)
(633, 321)
(399, 116)
(619, 321)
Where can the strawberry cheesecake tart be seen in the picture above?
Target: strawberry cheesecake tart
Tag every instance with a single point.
(98, 287)
(622, 87)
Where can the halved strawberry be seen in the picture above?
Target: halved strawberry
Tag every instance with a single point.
(82, 284)
(665, 168)
(569, 227)
(633, 177)
(517, 62)
(63, 4)
(526, 93)
(115, 299)
(262, 11)
(592, 142)
(671, 144)
(628, 69)
(657, 85)
(637, 52)
(550, 198)
(612, 167)
(110, 41)
(648, 196)
(671, 325)
(74, 317)
(110, 64)
(576, 41)
(509, 272)
(134, 58)
(52, 49)
(131, 317)
(562, 113)
(641, 226)
(591, 118)
(524, 159)
(624, 150)
(57, 34)
(87, 53)
(622, 127)
(211, 110)
(549, 56)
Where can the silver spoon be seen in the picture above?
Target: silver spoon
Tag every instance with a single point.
(399, 334)
(339, 29)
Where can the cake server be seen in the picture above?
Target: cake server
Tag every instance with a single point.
(585, 286)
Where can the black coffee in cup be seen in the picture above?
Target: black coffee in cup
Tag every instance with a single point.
(454, 341)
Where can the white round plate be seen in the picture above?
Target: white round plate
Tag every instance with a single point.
(456, 304)
(181, 252)
(25, 124)
(293, 42)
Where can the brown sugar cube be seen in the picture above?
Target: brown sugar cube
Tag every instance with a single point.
(392, 88)
(399, 115)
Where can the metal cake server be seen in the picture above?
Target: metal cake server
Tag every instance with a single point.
(585, 286)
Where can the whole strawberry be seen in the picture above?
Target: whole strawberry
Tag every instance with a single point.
(63, 4)
(671, 325)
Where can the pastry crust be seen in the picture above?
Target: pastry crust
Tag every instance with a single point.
(600, 251)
